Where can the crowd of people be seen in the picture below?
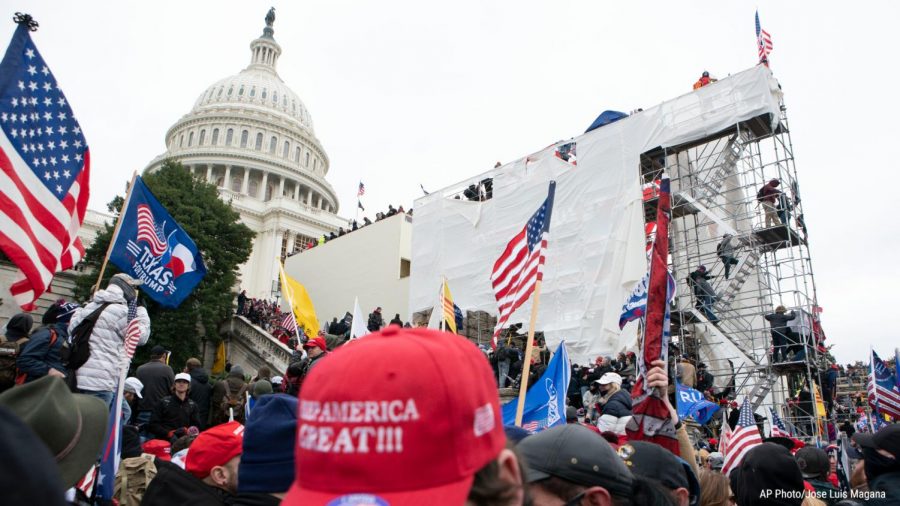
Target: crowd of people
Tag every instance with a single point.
(353, 226)
(394, 431)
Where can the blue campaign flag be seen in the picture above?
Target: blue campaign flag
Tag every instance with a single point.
(545, 401)
(692, 403)
(636, 305)
(152, 247)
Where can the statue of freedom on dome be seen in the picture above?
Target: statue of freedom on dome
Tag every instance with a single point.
(270, 17)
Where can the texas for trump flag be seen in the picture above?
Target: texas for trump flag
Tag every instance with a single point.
(44, 171)
(152, 247)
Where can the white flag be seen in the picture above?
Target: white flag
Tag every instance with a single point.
(358, 328)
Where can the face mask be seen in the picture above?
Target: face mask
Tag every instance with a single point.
(877, 464)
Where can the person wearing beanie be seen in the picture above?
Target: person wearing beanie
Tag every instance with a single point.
(815, 466)
(16, 336)
(41, 355)
(228, 398)
(98, 376)
(768, 475)
(267, 462)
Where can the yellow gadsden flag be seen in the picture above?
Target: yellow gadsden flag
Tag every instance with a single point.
(299, 300)
(219, 365)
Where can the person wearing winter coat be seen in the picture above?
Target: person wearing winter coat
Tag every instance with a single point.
(616, 404)
(40, 356)
(780, 332)
(705, 293)
(201, 389)
(726, 252)
(591, 402)
(376, 321)
(99, 375)
(173, 415)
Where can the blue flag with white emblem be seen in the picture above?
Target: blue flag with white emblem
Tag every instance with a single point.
(545, 402)
(691, 402)
(152, 247)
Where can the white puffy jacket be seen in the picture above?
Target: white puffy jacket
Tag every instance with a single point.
(101, 371)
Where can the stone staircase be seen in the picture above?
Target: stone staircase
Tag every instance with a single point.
(252, 347)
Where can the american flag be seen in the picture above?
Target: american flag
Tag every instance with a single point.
(133, 330)
(44, 172)
(778, 428)
(522, 263)
(882, 388)
(742, 439)
(362, 190)
(763, 42)
(149, 232)
(288, 323)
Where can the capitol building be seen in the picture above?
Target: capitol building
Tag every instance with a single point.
(251, 136)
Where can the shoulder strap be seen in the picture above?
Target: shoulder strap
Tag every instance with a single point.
(227, 388)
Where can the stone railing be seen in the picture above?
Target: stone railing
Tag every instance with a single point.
(252, 347)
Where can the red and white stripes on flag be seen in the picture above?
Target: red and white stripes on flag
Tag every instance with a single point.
(742, 439)
(148, 232)
(521, 265)
(882, 390)
(44, 172)
(288, 323)
(763, 42)
(133, 330)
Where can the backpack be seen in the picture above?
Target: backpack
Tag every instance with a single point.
(133, 478)
(760, 195)
(232, 405)
(720, 248)
(79, 351)
(9, 373)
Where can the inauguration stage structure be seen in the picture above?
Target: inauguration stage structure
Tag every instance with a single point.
(719, 144)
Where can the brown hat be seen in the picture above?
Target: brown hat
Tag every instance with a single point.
(71, 425)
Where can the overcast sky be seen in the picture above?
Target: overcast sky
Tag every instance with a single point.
(403, 93)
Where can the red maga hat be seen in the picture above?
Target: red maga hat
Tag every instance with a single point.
(412, 428)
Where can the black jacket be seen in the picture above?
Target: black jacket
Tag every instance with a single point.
(173, 485)
(618, 405)
(375, 322)
(158, 379)
(255, 499)
(201, 393)
(172, 413)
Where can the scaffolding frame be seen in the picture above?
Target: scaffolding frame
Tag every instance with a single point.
(714, 182)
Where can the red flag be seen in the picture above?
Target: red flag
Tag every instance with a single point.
(651, 420)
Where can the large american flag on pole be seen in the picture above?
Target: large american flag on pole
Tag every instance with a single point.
(763, 42)
(883, 394)
(44, 171)
(743, 438)
(522, 264)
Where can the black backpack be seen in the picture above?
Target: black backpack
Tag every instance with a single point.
(79, 349)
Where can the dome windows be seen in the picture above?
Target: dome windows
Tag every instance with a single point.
(297, 154)
(244, 136)
(229, 136)
(230, 90)
(253, 91)
(264, 94)
(259, 139)
(241, 91)
(190, 139)
(215, 136)
(272, 144)
(219, 94)
(306, 164)
(202, 137)
(286, 150)
(274, 97)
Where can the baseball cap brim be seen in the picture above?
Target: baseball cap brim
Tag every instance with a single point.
(451, 494)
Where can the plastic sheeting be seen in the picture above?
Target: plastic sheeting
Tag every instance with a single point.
(596, 251)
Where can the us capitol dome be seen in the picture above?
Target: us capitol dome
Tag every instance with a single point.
(252, 136)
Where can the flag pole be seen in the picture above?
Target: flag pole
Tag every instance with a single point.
(526, 361)
(115, 235)
(287, 294)
(443, 324)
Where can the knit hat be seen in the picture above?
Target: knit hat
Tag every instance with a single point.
(260, 389)
(19, 326)
(214, 447)
(769, 467)
(59, 313)
(71, 425)
(267, 464)
(127, 284)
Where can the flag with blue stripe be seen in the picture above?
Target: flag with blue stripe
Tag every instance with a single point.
(545, 401)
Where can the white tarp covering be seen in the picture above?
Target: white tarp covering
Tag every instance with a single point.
(596, 250)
